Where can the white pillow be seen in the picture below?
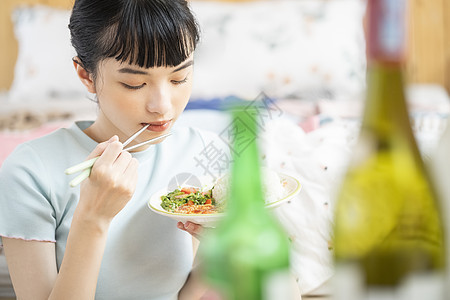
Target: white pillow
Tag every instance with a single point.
(297, 48)
(286, 48)
(44, 64)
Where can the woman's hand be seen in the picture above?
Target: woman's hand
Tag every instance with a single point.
(111, 184)
(194, 229)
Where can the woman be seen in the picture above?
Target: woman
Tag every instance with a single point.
(100, 240)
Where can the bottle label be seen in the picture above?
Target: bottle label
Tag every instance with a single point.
(387, 29)
(348, 283)
(278, 285)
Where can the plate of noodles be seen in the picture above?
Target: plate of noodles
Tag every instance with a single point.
(206, 204)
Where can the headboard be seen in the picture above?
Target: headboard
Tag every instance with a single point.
(7, 39)
(429, 60)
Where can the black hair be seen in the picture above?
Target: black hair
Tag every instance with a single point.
(148, 33)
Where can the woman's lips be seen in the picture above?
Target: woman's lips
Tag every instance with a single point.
(159, 126)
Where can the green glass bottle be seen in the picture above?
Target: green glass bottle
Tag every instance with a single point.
(246, 257)
(388, 232)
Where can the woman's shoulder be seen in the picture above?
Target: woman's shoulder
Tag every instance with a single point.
(53, 147)
(49, 142)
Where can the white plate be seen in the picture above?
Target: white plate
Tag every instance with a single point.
(291, 188)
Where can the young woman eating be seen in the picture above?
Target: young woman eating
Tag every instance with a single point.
(99, 240)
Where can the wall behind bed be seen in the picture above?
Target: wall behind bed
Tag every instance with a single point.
(8, 42)
(429, 60)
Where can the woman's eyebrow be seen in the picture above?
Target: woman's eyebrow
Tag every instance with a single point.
(140, 72)
(184, 66)
(132, 71)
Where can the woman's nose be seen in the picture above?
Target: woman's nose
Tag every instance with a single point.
(159, 100)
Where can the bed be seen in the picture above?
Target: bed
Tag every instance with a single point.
(248, 50)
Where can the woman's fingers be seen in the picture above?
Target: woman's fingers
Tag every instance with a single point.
(112, 182)
(122, 162)
(194, 229)
(101, 147)
(111, 152)
(130, 173)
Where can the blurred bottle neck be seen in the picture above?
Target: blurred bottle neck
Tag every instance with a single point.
(386, 109)
(246, 188)
(386, 32)
(385, 98)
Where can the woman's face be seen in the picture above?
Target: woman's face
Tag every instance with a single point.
(130, 97)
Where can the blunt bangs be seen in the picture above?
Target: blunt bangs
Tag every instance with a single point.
(151, 34)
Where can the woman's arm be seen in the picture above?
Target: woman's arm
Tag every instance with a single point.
(77, 278)
(103, 195)
(32, 265)
(194, 287)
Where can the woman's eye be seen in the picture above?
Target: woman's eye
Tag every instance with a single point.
(176, 82)
(133, 87)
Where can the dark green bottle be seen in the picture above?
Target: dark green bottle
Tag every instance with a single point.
(247, 256)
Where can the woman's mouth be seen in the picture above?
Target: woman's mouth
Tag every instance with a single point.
(158, 126)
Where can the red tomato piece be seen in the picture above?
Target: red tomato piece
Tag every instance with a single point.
(188, 190)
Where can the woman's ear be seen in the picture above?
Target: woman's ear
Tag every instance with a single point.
(85, 76)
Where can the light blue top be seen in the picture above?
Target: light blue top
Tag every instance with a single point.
(146, 256)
